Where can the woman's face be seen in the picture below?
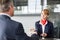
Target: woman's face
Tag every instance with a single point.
(44, 15)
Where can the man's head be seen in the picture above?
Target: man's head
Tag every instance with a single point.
(45, 14)
(6, 6)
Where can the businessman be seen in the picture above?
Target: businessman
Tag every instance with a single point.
(10, 29)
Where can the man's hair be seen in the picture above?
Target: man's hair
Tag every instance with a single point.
(47, 11)
(4, 5)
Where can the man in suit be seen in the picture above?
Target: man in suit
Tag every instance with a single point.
(10, 29)
(44, 27)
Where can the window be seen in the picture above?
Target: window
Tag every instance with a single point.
(27, 6)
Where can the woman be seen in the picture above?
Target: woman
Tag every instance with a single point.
(44, 27)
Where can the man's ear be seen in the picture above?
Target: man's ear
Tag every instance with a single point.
(9, 8)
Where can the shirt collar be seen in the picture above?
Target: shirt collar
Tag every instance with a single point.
(42, 24)
(5, 14)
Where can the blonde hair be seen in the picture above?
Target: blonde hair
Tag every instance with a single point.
(46, 11)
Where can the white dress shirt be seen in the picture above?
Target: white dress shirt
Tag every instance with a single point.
(43, 26)
(5, 14)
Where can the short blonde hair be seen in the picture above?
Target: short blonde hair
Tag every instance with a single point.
(46, 11)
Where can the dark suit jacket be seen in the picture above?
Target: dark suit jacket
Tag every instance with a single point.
(11, 30)
(49, 29)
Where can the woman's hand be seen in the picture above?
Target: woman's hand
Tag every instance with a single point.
(44, 34)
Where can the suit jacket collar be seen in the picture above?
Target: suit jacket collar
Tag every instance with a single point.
(5, 15)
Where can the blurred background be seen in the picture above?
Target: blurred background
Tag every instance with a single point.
(28, 12)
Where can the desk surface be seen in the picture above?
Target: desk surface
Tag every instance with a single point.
(50, 39)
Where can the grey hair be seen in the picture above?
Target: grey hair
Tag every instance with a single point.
(4, 5)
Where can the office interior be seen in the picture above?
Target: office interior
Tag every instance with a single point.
(28, 12)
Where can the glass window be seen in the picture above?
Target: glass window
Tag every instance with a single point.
(27, 6)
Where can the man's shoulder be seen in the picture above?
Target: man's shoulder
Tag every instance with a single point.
(16, 22)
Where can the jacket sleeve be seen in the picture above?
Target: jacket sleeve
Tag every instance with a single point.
(20, 34)
(52, 30)
(37, 29)
(36, 26)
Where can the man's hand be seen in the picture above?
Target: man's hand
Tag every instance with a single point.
(33, 31)
(44, 35)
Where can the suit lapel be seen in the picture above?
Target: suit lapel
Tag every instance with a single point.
(47, 28)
